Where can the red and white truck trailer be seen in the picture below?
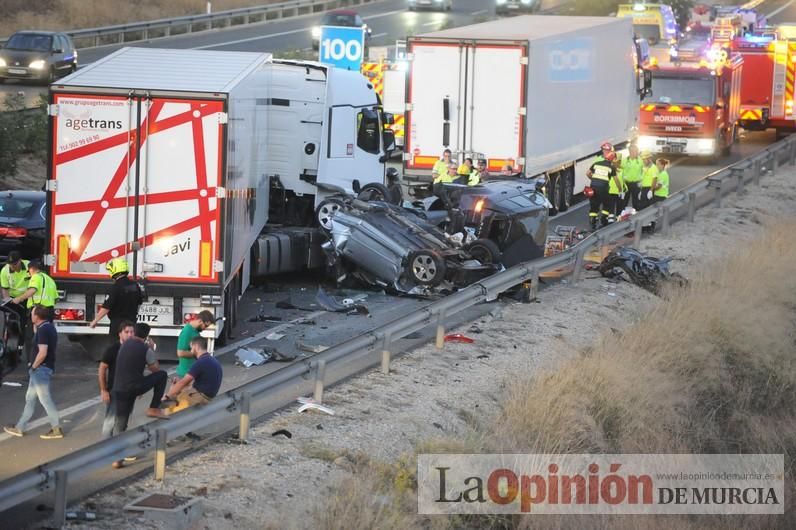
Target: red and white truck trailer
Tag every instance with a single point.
(767, 88)
(170, 158)
(539, 92)
(693, 107)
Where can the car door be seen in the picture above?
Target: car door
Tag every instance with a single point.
(58, 51)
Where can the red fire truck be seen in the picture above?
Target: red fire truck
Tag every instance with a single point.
(767, 89)
(693, 107)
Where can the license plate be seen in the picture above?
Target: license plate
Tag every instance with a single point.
(674, 149)
(156, 314)
(18, 71)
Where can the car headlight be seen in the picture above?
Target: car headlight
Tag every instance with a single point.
(316, 32)
(2, 63)
(646, 142)
(38, 64)
(706, 145)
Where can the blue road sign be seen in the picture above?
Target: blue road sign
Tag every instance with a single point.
(342, 47)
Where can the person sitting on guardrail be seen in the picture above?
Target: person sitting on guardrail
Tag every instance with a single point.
(202, 382)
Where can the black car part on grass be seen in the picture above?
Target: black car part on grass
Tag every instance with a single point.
(646, 272)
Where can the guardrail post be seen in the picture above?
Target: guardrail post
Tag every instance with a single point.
(440, 341)
(59, 510)
(160, 454)
(717, 199)
(245, 419)
(578, 271)
(385, 353)
(756, 170)
(320, 375)
(534, 279)
(665, 222)
(691, 207)
(638, 229)
(739, 174)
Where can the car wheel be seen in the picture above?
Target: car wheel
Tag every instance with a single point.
(325, 211)
(426, 267)
(485, 250)
(51, 76)
(374, 192)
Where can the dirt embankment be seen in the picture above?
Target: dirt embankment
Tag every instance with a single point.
(600, 366)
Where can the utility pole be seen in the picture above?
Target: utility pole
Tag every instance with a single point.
(209, 6)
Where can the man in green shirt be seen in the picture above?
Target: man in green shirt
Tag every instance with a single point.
(439, 172)
(41, 291)
(632, 167)
(14, 276)
(192, 329)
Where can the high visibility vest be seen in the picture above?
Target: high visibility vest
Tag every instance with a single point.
(601, 170)
(663, 180)
(632, 169)
(475, 178)
(46, 292)
(612, 188)
(15, 282)
(648, 174)
(440, 169)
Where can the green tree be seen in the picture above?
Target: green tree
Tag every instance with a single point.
(22, 131)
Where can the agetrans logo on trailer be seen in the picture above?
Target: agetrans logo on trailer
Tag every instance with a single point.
(342, 47)
(570, 60)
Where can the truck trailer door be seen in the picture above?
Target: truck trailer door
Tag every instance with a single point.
(136, 178)
(436, 74)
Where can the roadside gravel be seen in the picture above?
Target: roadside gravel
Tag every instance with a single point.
(274, 482)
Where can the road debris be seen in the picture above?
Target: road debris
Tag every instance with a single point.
(311, 348)
(282, 432)
(265, 318)
(311, 404)
(347, 305)
(274, 336)
(249, 357)
(647, 272)
(458, 337)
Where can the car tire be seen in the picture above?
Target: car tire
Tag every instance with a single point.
(324, 212)
(426, 267)
(485, 250)
(374, 192)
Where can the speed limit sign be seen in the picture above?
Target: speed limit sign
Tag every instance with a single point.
(342, 47)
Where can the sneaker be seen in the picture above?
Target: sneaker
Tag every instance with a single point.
(53, 434)
(13, 431)
(130, 459)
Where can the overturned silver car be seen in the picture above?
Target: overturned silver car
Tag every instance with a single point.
(418, 247)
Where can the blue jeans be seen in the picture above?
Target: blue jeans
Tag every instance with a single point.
(39, 388)
(110, 418)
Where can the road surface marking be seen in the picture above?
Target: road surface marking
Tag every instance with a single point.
(482, 12)
(378, 35)
(779, 9)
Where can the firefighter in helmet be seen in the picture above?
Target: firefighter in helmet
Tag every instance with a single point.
(123, 300)
(600, 174)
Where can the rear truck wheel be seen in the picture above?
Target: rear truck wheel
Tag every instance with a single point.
(485, 250)
(553, 192)
(426, 267)
(325, 211)
(374, 192)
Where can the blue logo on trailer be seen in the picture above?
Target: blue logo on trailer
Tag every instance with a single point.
(570, 60)
(342, 47)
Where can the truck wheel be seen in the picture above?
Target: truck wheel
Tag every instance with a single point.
(374, 192)
(426, 267)
(485, 250)
(324, 212)
(553, 192)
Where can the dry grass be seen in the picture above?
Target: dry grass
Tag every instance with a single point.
(77, 14)
(710, 370)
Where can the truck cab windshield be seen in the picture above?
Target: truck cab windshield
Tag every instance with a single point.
(651, 32)
(682, 90)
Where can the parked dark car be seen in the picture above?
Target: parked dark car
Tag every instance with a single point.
(343, 18)
(22, 223)
(436, 5)
(506, 7)
(41, 56)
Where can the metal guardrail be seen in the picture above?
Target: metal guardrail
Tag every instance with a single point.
(278, 389)
(169, 27)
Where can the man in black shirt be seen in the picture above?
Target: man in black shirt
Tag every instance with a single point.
(124, 299)
(129, 380)
(107, 370)
(41, 364)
